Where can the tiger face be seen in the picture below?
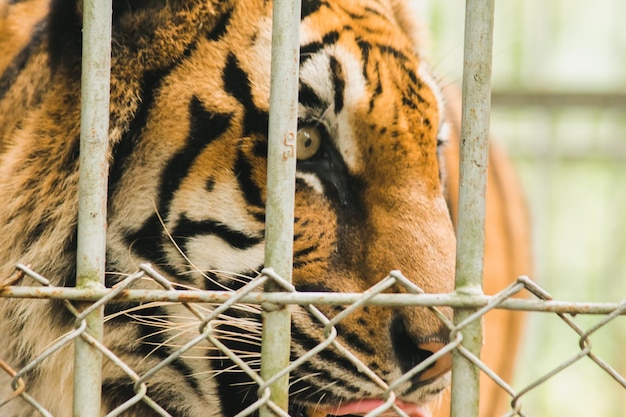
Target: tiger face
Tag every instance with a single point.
(188, 131)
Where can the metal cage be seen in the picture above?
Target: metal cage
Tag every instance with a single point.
(469, 302)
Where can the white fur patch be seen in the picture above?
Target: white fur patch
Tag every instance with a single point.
(311, 180)
(222, 256)
(225, 203)
(259, 57)
(316, 74)
(354, 93)
(425, 74)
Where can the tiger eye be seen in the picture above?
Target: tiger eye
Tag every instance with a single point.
(308, 142)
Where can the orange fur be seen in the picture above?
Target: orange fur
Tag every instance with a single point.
(188, 115)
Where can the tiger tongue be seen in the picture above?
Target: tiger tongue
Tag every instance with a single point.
(365, 406)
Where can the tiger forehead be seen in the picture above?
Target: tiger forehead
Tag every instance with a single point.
(362, 68)
(356, 28)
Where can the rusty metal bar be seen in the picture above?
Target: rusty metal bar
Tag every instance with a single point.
(472, 192)
(90, 256)
(316, 298)
(281, 171)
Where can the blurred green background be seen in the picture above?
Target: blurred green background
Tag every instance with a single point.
(559, 107)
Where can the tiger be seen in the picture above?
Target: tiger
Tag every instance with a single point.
(375, 191)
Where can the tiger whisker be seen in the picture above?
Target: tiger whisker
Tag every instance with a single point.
(135, 308)
(250, 355)
(196, 268)
(323, 389)
(238, 339)
(302, 378)
(178, 249)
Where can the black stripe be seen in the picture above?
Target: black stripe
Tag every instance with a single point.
(260, 149)
(115, 392)
(328, 357)
(123, 150)
(400, 56)
(311, 6)
(212, 282)
(331, 38)
(209, 184)
(309, 98)
(9, 76)
(186, 228)
(410, 91)
(308, 262)
(71, 157)
(396, 53)
(354, 340)
(65, 34)
(311, 388)
(365, 48)
(259, 217)
(148, 242)
(325, 377)
(237, 83)
(205, 127)
(408, 102)
(243, 172)
(306, 251)
(221, 26)
(338, 82)
(310, 49)
(234, 388)
(312, 288)
(375, 12)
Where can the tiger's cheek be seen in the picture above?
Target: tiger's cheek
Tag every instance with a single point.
(315, 238)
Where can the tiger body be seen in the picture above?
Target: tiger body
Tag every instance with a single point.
(188, 145)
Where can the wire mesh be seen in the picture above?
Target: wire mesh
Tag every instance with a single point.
(206, 331)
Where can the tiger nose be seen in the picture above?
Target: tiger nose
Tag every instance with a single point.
(410, 353)
(442, 365)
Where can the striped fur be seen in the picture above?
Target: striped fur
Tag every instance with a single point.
(188, 123)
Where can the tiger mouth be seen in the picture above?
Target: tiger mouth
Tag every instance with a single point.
(360, 408)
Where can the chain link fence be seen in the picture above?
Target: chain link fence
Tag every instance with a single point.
(473, 305)
(252, 292)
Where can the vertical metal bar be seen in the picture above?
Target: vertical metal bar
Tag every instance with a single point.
(281, 169)
(91, 239)
(472, 192)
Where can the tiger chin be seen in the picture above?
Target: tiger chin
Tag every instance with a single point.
(186, 193)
